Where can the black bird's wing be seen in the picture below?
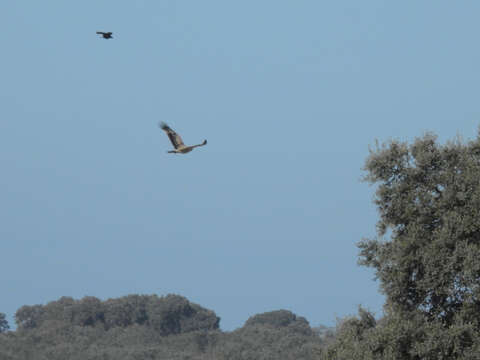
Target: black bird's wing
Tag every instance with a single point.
(106, 35)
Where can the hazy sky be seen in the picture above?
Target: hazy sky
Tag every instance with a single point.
(289, 95)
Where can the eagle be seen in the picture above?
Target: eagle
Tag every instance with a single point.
(177, 142)
(106, 35)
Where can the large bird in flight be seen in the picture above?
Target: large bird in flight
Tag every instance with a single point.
(106, 35)
(177, 142)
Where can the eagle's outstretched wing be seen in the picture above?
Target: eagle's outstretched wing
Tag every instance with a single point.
(172, 135)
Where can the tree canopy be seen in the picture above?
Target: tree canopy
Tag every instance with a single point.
(425, 254)
(168, 315)
(3, 323)
(151, 327)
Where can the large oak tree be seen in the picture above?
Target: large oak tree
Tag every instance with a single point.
(426, 254)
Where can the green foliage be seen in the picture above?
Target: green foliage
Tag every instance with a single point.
(281, 318)
(271, 336)
(428, 198)
(325, 333)
(175, 314)
(352, 337)
(171, 314)
(3, 323)
(125, 311)
(29, 317)
(403, 336)
(151, 327)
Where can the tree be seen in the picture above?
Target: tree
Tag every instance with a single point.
(272, 335)
(174, 314)
(279, 319)
(352, 337)
(428, 199)
(126, 311)
(3, 323)
(29, 317)
(152, 327)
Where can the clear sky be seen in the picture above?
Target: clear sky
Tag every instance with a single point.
(289, 95)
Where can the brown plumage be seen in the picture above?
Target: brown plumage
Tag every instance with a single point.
(105, 35)
(177, 142)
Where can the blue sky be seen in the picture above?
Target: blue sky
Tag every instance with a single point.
(289, 95)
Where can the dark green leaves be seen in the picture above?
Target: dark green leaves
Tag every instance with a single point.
(3, 323)
(428, 197)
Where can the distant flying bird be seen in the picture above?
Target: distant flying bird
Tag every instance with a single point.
(177, 142)
(106, 35)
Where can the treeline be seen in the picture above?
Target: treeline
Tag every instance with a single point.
(169, 315)
(151, 327)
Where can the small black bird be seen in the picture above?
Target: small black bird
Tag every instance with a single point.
(106, 35)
